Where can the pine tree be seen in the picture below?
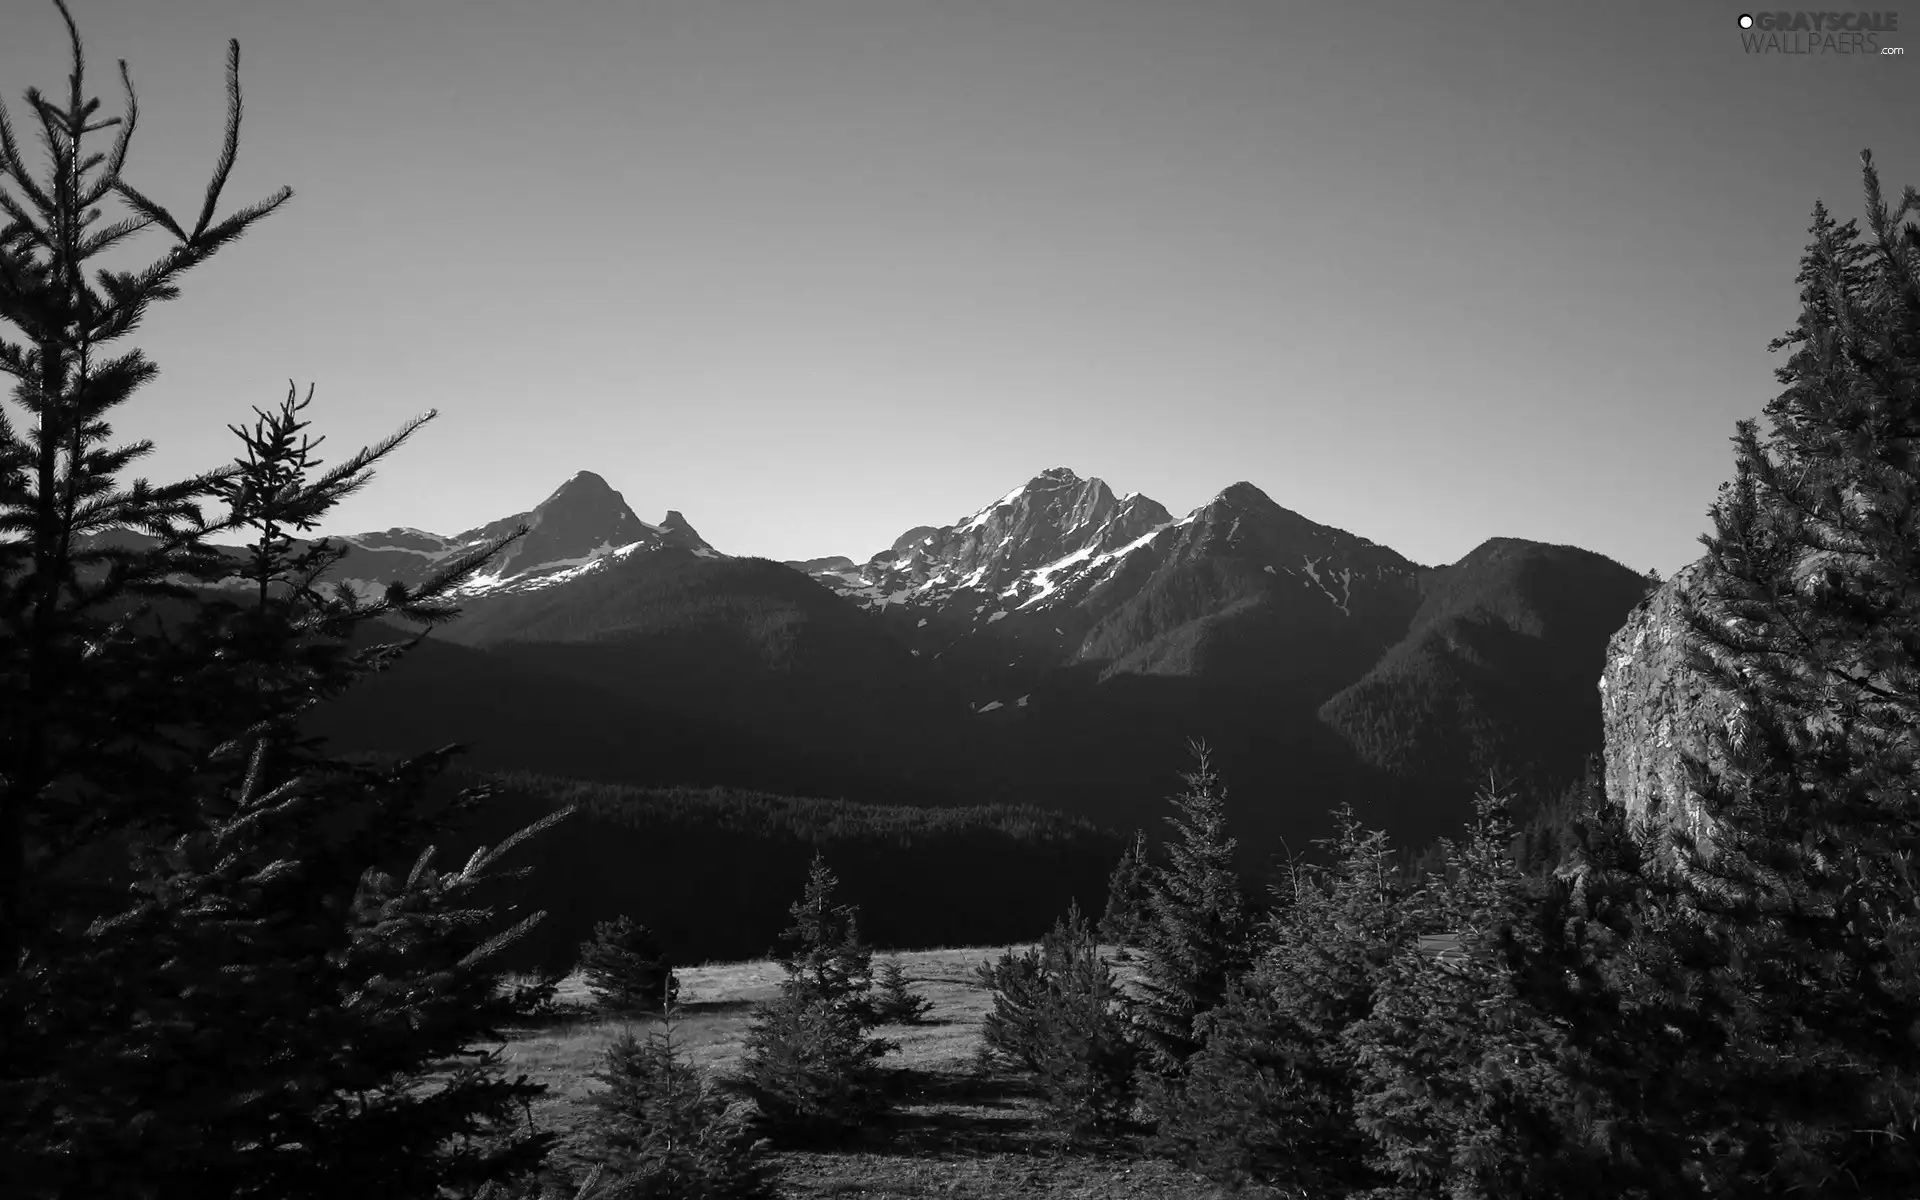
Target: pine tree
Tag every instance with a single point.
(894, 1003)
(1604, 960)
(665, 1133)
(1059, 1014)
(212, 982)
(1198, 937)
(822, 953)
(1126, 920)
(62, 588)
(1810, 618)
(1493, 1107)
(810, 1062)
(1268, 1099)
(626, 969)
(283, 1000)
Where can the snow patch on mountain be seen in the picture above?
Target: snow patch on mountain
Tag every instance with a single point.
(1346, 583)
(1042, 543)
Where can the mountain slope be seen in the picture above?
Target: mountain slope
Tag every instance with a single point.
(1056, 648)
(1498, 669)
(1062, 573)
(744, 644)
(1248, 591)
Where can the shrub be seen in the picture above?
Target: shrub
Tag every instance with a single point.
(1059, 1015)
(810, 1068)
(665, 1133)
(895, 1004)
(626, 969)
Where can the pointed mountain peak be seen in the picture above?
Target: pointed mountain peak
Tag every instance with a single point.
(1055, 476)
(584, 485)
(680, 532)
(1244, 495)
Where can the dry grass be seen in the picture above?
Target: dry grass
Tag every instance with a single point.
(956, 1133)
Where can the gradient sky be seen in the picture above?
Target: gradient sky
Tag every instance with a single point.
(815, 271)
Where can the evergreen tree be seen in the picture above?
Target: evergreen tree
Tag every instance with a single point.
(1269, 1097)
(1809, 617)
(1126, 920)
(810, 1062)
(1059, 1014)
(1603, 960)
(626, 969)
(1459, 1079)
(822, 953)
(1198, 937)
(213, 980)
(665, 1133)
(894, 1003)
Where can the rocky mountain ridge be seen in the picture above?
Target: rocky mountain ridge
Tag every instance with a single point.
(578, 530)
(1056, 647)
(1062, 570)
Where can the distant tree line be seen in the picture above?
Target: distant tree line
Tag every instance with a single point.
(712, 871)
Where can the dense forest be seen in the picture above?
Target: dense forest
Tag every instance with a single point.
(713, 870)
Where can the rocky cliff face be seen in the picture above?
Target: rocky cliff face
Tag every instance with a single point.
(1654, 709)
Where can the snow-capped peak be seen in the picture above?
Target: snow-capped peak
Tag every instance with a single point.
(1054, 532)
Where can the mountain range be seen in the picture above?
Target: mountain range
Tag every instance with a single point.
(1056, 647)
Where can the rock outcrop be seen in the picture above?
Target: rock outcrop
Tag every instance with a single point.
(1655, 710)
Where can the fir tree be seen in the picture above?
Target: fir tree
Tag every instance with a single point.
(1126, 921)
(665, 1133)
(894, 1003)
(1268, 1099)
(1459, 1080)
(1810, 618)
(219, 975)
(1059, 1015)
(1603, 961)
(810, 1062)
(62, 588)
(822, 953)
(1198, 937)
(626, 969)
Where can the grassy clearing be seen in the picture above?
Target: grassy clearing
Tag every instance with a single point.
(957, 1132)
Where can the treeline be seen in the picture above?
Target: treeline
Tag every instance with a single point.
(712, 871)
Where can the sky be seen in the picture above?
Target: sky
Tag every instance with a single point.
(814, 272)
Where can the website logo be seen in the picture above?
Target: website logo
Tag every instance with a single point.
(1862, 33)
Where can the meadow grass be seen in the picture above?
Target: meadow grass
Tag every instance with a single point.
(957, 1131)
